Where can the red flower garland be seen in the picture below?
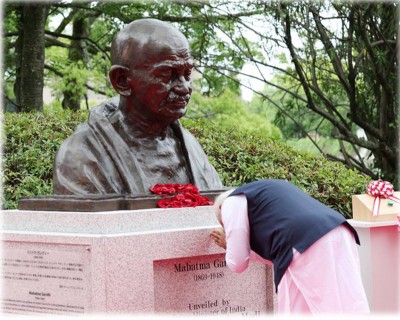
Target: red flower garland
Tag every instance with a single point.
(185, 195)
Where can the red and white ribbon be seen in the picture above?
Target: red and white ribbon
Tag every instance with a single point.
(380, 189)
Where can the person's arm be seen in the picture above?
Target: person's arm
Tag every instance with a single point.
(236, 224)
(234, 236)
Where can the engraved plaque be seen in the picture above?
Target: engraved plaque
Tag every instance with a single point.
(204, 285)
(45, 278)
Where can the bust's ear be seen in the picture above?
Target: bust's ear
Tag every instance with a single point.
(119, 77)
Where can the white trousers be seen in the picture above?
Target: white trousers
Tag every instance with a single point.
(325, 278)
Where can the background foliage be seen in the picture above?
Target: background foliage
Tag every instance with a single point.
(32, 139)
(328, 68)
(228, 111)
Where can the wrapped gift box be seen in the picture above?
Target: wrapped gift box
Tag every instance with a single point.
(363, 204)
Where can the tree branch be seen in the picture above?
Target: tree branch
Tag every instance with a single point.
(66, 21)
(362, 169)
(330, 49)
(343, 129)
(60, 74)
(78, 38)
(51, 41)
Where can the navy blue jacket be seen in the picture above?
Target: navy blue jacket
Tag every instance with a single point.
(282, 217)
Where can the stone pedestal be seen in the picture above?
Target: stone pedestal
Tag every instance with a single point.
(380, 264)
(127, 261)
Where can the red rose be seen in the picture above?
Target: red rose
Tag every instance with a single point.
(176, 204)
(191, 199)
(170, 188)
(179, 197)
(157, 189)
(204, 201)
(164, 203)
(178, 187)
(167, 188)
(187, 188)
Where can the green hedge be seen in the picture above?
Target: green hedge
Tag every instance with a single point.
(32, 140)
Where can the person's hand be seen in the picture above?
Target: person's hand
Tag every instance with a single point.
(218, 235)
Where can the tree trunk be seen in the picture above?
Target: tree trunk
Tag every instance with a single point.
(18, 61)
(77, 52)
(30, 55)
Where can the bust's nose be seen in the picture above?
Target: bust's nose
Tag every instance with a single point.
(183, 86)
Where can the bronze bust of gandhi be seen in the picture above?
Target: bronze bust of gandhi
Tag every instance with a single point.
(135, 141)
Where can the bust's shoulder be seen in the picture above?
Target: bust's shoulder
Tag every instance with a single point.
(106, 108)
(77, 142)
(83, 134)
(97, 114)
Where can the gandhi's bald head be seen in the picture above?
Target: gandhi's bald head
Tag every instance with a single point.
(151, 68)
(148, 35)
